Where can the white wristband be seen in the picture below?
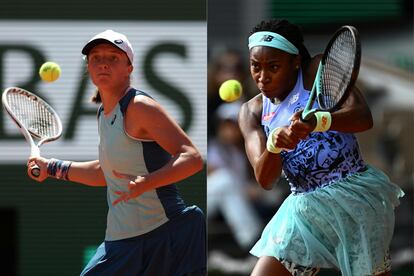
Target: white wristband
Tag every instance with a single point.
(323, 121)
(269, 144)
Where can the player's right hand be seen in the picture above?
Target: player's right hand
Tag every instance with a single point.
(285, 138)
(300, 128)
(42, 164)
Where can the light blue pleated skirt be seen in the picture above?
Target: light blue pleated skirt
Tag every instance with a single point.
(347, 225)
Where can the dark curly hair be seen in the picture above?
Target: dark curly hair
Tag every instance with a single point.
(290, 31)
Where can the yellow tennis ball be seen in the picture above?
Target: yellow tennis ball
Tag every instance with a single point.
(49, 71)
(230, 90)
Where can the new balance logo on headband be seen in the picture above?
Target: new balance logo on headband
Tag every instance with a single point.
(274, 40)
(267, 38)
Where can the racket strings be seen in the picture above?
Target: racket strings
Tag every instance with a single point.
(33, 115)
(338, 69)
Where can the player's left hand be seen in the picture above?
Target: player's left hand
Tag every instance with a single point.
(135, 187)
(300, 128)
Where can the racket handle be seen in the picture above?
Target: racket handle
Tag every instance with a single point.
(34, 152)
(35, 171)
(304, 119)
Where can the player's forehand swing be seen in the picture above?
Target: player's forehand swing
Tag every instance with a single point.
(142, 153)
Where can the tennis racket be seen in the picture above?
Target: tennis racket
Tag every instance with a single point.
(337, 72)
(36, 119)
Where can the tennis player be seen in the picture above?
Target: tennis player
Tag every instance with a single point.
(142, 153)
(340, 213)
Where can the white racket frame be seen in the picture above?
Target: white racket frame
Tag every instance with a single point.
(34, 148)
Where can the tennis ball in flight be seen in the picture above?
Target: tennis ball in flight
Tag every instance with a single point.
(49, 71)
(230, 90)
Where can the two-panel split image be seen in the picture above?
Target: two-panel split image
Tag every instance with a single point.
(220, 138)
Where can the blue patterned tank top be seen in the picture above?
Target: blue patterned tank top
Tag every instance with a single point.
(320, 160)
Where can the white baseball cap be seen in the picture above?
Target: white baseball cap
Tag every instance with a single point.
(117, 39)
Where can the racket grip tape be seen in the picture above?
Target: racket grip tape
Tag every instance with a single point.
(35, 171)
(303, 119)
(307, 117)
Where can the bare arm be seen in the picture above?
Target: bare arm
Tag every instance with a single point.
(155, 124)
(267, 166)
(355, 110)
(88, 173)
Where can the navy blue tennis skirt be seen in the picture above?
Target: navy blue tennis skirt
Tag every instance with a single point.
(176, 248)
